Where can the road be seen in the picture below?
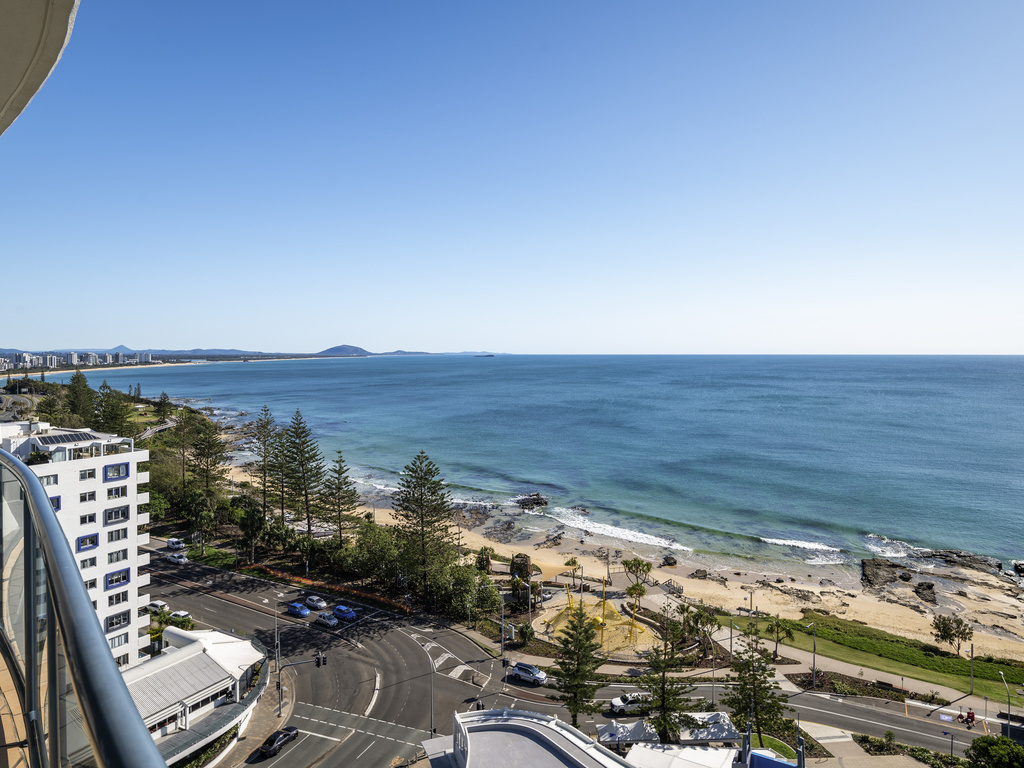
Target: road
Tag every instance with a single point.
(377, 699)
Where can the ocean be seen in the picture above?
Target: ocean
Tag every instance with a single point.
(821, 458)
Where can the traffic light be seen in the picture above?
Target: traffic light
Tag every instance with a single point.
(323, 659)
(319, 657)
(279, 685)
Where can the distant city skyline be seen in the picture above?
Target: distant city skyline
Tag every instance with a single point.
(673, 178)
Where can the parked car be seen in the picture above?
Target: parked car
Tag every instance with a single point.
(181, 615)
(344, 612)
(157, 606)
(316, 602)
(529, 673)
(298, 609)
(177, 557)
(630, 702)
(547, 594)
(326, 619)
(278, 739)
(175, 544)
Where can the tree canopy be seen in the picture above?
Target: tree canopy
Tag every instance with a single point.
(577, 661)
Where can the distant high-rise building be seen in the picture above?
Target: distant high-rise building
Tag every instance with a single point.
(71, 358)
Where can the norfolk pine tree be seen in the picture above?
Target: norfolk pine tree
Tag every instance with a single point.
(754, 692)
(423, 512)
(340, 497)
(304, 469)
(670, 701)
(208, 455)
(81, 400)
(264, 434)
(577, 661)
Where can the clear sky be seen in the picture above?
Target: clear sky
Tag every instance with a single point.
(531, 177)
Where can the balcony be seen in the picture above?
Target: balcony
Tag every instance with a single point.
(143, 557)
(143, 519)
(143, 538)
(67, 702)
(142, 477)
(142, 498)
(142, 580)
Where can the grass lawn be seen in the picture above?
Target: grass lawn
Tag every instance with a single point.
(770, 742)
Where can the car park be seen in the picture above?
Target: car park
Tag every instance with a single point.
(175, 544)
(177, 557)
(630, 702)
(157, 606)
(326, 619)
(344, 612)
(298, 609)
(316, 602)
(278, 739)
(531, 674)
(181, 615)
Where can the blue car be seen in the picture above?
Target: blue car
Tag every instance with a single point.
(298, 609)
(344, 613)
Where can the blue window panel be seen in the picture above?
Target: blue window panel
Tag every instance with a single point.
(116, 471)
(55, 503)
(90, 541)
(117, 578)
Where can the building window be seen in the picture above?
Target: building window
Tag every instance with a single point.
(121, 619)
(121, 661)
(88, 496)
(115, 471)
(48, 479)
(120, 597)
(91, 584)
(86, 519)
(119, 535)
(91, 541)
(89, 562)
(117, 557)
(87, 474)
(117, 578)
(117, 493)
(55, 503)
(117, 642)
(115, 515)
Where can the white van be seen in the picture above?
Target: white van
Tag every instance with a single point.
(157, 606)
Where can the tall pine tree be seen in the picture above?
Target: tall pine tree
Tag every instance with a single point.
(340, 497)
(754, 693)
(577, 661)
(423, 513)
(264, 436)
(304, 468)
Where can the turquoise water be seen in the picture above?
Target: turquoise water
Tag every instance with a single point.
(823, 458)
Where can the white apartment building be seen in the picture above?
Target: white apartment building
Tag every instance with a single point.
(92, 480)
(71, 358)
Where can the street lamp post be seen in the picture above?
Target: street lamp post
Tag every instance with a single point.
(431, 660)
(950, 734)
(1007, 704)
(712, 644)
(814, 656)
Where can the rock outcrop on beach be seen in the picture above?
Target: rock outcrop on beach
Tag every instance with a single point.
(530, 501)
(876, 572)
(926, 591)
(959, 559)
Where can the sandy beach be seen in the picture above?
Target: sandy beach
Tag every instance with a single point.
(993, 605)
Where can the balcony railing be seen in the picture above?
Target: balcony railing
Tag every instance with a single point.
(72, 706)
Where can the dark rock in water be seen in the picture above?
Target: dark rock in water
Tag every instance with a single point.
(905, 576)
(531, 501)
(700, 573)
(877, 572)
(827, 583)
(780, 581)
(580, 510)
(962, 559)
(926, 591)
(668, 560)
(1018, 566)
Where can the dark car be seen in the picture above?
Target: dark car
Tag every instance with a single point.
(278, 739)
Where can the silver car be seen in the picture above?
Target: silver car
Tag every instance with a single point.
(326, 619)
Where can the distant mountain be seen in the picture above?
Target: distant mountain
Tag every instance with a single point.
(345, 350)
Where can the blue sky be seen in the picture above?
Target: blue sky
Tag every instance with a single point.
(539, 177)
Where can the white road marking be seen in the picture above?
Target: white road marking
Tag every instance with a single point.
(376, 690)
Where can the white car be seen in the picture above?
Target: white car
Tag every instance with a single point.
(316, 602)
(529, 673)
(181, 615)
(157, 606)
(630, 702)
(326, 619)
(177, 557)
(175, 544)
(546, 595)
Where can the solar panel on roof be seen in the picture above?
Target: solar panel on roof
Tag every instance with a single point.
(65, 438)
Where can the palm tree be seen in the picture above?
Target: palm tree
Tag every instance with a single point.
(573, 565)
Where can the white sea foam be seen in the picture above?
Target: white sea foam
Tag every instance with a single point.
(574, 519)
(826, 559)
(798, 544)
(885, 547)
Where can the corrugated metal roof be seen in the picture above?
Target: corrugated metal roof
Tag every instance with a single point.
(186, 678)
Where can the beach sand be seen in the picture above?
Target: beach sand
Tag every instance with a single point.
(993, 605)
